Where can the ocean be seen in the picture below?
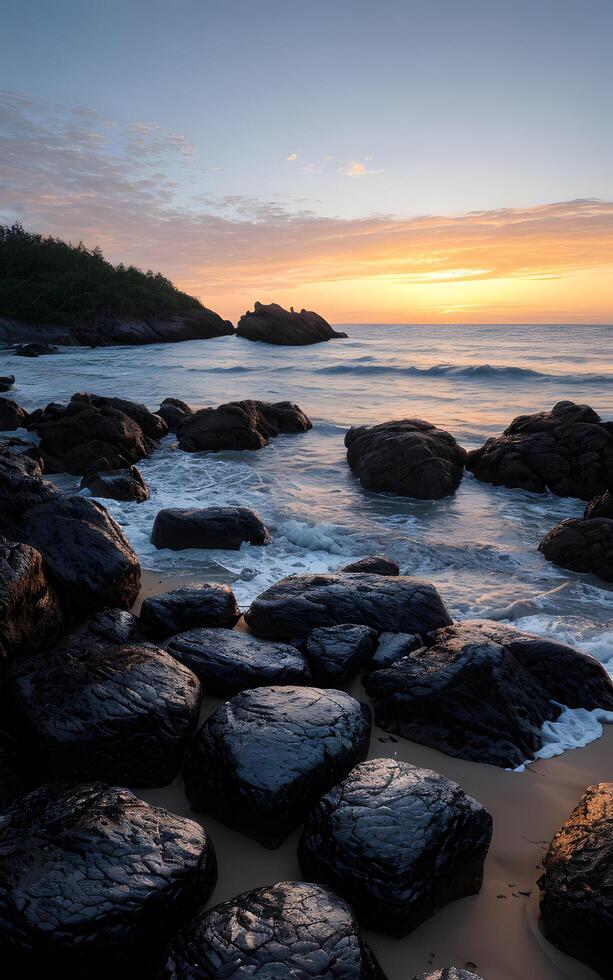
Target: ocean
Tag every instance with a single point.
(478, 547)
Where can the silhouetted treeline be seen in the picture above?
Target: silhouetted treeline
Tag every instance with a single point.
(47, 280)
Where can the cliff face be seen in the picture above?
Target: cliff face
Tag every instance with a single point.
(197, 324)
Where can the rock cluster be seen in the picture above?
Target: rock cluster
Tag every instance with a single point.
(239, 425)
(271, 324)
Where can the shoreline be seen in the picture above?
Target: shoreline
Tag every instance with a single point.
(490, 933)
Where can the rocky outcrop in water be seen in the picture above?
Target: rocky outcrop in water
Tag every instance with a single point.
(600, 507)
(410, 457)
(89, 709)
(296, 605)
(93, 881)
(288, 930)
(35, 350)
(266, 756)
(174, 411)
(12, 416)
(239, 425)
(30, 615)
(338, 653)
(576, 893)
(568, 451)
(228, 661)
(189, 609)
(6, 382)
(582, 546)
(375, 564)
(397, 842)
(117, 485)
(271, 324)
(208, 527)
(153, 426)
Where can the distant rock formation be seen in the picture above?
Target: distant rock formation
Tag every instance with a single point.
(271, 324)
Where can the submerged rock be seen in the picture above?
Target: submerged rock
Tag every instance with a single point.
(289, 930)
(174, 411)
(125, 484)
(271, 324)
(568, 451)
(576, 894)
(239, 425)
(30, 615)
(153, 426)
(227, 661)
(12, 416)
(298, 604)
(88, 559)
(409, 457)
(582, 546)
(600, 507)
(397, 842)
(89, 709)
(266, 756)
(208, 527)
(375, 564)
(93, 881)
(35, 350)
(338, 653)
(189, 609)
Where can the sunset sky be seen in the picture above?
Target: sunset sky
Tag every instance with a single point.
(397, 161)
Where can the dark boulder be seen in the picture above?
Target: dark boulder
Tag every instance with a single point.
(600, 507)
(117, 485)
(409, 457)
(338, 653)
(393, 646)
(111, 626)
(208, 527)
(89, 709)
(582, 546)
(239, 425)
(93, 881)
(375, 564)
(50, 413)
(292, 930)
(174, 411)
(21, 488)
(30, 615)
(35, 350)
(266, 756)
(449, 973)
(271, 324)
(188, 609)
(153, 426)
(296, 605)
(227, 661)
(84, 436)
(88, 559)
(576, 892)
(12, 416)
(7, 381)
(397, 842)
(568, 451)
(12, 783)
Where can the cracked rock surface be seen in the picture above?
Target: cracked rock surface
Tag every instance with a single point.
(600, 506)
(397, 842)
(289, 930)
(338, 653)
(408, 457)
(189, 609)
(227, 661)
(298, 604)
(93, 881)
(568, 450)
(93, 710)
(208, 527)
(30, 615)
(266, 756)
(582, 546)
(239, 425)
(576, 888)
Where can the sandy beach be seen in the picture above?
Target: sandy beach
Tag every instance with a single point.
(492, 932)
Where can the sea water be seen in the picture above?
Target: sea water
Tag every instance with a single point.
(478, 547)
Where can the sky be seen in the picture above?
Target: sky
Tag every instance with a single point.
(398, 161)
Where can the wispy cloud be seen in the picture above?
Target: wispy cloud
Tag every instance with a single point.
(357, 169)
(292, 157)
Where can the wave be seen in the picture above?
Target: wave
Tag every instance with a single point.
(471, 371)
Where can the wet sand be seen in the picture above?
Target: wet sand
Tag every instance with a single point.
(493, 933)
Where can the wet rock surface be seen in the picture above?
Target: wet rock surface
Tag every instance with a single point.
(568, 450)
(393, 646)
(175, 612)
(35, 350)
(7, 381)
(88, 559)
(90, 709)
(12, 415)
(21, 488)
(125, 484)
(338, 653)
(110, 626)
(266, 756)
(227, 661)
(153, 426)
(208, 527)
(375, 564)
(576, 894)
(298, 604)
(291, 929)
(271, 324)
(409, 457)
(397, 842)
(30, 615)
(600, 507)
(582, 546)
(240, 425)
(94, 880)
(174, 411)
